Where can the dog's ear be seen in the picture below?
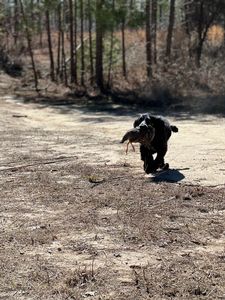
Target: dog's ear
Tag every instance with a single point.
(136, 123)
(141, 118)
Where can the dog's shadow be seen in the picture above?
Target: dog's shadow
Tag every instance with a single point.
(170, 175)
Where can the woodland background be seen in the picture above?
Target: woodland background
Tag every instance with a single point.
(156, 52)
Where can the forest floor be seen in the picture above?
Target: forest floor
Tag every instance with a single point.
(80, 219)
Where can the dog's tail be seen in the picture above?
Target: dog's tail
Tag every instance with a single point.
(174, 128)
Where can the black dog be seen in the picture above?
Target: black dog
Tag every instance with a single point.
(163, 131)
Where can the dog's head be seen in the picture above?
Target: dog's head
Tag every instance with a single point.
(147, 133)
(143, 120)
(147, 130)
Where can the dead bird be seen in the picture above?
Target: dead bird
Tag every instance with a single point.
(142, 134)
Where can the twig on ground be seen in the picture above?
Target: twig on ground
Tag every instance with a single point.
(211, 292)
(19, 116)
(195, 217)
(164, 201)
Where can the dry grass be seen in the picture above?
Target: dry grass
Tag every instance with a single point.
(72, 238)
(71, 231)
(183, 277)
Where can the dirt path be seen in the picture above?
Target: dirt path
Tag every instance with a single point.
(79, 219)
(196, 153)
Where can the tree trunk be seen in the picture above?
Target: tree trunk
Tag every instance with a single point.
(131, 6)
(148, 38)
(75, 40)
(187, 8)
(123, 49)
(154, 29)
(160, 13)
(16, 21)
(40, 25)
(59, 40)
(64, 67)
(170, 29)
(30, 47)
(199, 53)
(202, 31)
(90, 42)
(111, 50)
(51, 57)
(110, 58)
(82, 41)
(99, 46)
(71, 22)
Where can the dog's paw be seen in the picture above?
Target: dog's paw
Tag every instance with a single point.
(150, 170)
(166, 166)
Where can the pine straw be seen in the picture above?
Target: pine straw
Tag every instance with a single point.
(56, 221)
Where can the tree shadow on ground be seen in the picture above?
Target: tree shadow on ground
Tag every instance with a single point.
(187, 109)
(171, 175)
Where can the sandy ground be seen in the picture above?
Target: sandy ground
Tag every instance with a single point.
(196, 153)
(80, 219)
